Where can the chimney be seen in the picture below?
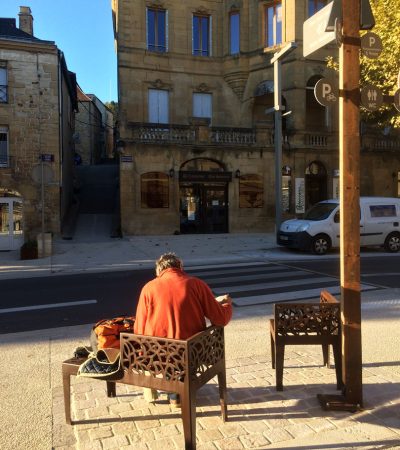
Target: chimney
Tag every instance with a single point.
(25, 19)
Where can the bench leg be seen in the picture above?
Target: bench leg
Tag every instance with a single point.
(337, 354)
(272, 351)
(67, 394)
(188, 402)
(326, 355)
(111, 391)
(280, 355)
(222, 394)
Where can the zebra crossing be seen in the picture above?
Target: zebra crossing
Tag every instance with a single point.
(256, 283)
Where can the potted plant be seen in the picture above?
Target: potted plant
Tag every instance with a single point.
(29, 250)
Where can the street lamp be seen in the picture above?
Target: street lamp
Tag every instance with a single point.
(277, 109)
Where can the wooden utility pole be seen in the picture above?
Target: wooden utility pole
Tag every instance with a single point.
(349, 137)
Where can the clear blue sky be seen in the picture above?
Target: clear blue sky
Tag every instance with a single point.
(83, 30)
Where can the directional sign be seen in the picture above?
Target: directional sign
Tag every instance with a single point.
(371, 45)
(314, 34)
(325, 92)
(396, 100)
(46, 157)
(371, 97)
(367, 21)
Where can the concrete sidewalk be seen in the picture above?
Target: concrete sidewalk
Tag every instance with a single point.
(32, 410)
(137, 252)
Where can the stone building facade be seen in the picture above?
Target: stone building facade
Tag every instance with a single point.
(90, 130)
(107, 128)
(196, 143)
(37, 106)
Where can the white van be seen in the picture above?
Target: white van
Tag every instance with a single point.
(319, 230)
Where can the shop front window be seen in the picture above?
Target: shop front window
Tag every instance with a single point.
(251, 191)
(154, 190)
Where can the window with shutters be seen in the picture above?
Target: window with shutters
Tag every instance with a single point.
(273, 23)
(234, 33)
(4, 157)
(3, 82)
(158, 106)
(201, 35)
(157, 30)
(202, 105)
(154, 190)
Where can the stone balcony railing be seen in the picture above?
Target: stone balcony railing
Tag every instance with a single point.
(156, 133)
(191, 134)
(200, 133)
(233, 136)
(379, 142)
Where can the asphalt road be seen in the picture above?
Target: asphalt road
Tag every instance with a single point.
(50, 302)
(383, 271)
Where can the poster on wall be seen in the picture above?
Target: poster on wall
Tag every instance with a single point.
(299, 196)
(335, 188)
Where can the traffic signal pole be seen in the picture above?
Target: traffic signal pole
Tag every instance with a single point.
(349, 154)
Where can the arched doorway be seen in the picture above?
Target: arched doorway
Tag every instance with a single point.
(11, 229)
(203, 191)
(315, 183)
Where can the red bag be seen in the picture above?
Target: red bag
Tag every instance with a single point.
(107, 331)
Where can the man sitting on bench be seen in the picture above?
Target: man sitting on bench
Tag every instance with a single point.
(175, 305)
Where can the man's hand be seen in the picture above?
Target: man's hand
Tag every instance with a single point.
(223, 299)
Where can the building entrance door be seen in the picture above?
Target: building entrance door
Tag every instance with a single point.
(204, 208)
(11, 234)
(315, 183)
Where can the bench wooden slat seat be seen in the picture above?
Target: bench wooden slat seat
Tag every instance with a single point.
(170, 365)
(306, 324)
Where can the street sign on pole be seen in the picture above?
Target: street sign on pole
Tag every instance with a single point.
(325, 92)
(314, 34)
(371, 45)
(367, 21)
(396, 100)
(371, 97)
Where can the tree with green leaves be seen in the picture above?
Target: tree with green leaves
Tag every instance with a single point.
(113, 107)
(383, 71)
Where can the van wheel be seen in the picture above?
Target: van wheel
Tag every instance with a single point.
(392, 243)
(320, 244)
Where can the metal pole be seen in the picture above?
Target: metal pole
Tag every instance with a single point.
(278, 130)
(278, 143)
(42, 200)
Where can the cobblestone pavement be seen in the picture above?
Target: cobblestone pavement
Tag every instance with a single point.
(259, 417)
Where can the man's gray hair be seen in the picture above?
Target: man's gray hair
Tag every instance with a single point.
(167, 261)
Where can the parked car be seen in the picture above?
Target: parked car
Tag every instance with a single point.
(319, 230)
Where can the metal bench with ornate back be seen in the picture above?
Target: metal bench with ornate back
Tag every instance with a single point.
(306, 324)
(170, 365)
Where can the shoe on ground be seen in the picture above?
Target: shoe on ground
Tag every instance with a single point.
(150, 395)
(174, 403)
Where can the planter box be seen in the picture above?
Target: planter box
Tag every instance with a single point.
(28, 252)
